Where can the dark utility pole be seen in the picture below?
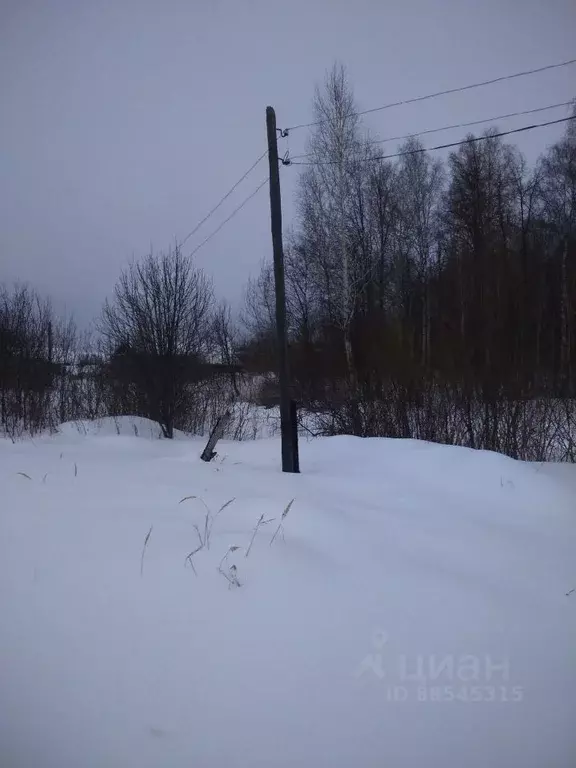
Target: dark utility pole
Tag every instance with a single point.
(287, 427)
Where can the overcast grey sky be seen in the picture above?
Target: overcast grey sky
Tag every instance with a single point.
(123, 122)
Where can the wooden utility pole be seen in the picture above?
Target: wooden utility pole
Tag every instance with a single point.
(288, 429)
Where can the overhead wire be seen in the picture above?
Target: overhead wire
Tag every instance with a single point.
(446, 92)
(294, 161)
(456, 125)
(471, 140)
(231, 216)
(223, 199)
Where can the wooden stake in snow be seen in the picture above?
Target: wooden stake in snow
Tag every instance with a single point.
(208, 453)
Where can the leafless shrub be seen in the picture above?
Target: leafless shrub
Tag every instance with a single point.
(158, 330)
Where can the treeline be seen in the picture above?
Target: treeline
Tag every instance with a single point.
(428, 299)
(36, 349)
(162, 349)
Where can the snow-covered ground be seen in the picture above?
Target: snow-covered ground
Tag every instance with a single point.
(413, 611)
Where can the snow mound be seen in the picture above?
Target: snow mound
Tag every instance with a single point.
(127, 426)
(412, 607)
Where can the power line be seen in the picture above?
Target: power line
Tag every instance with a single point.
(446, 92)
(234, 212)
(226, 196)
(471, 140)
(457, 125)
